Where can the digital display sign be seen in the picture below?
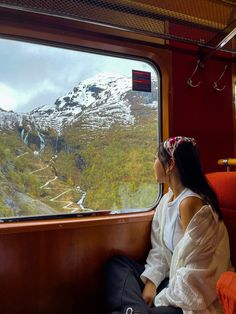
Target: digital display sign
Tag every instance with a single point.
(141, 81)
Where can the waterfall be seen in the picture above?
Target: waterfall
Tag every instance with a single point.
(42, 141)
(56, 144)
(24, 137)
(81, 200)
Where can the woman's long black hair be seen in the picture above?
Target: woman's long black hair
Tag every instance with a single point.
(188, 163)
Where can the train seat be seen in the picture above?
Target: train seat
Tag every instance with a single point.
(224, 184)
(226, 289)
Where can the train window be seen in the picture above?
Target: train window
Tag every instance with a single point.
(79, 130)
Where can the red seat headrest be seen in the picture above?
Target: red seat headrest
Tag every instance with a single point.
(224, 184)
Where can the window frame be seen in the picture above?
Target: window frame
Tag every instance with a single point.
(58, 32)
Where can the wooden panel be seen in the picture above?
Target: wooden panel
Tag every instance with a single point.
(61, 270)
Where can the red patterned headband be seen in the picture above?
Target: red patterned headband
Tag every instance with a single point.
(172, 143)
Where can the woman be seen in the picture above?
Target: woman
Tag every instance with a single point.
(190, 247)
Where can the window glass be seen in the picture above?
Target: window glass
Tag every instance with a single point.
(78, 131)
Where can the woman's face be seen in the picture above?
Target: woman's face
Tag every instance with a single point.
(159, 171)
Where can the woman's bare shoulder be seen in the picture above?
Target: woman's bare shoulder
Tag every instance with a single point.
(188, 208)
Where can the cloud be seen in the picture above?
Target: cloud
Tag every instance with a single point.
(7, 97)
(23, 101)
(44, 93)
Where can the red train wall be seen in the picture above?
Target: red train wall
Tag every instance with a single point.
(203, 112)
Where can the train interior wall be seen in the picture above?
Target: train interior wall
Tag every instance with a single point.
(203, 112)
(57, 267)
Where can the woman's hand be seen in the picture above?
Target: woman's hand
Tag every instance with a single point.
(149, 292)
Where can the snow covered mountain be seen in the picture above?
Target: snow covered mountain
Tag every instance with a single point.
(9, 119)
(98, 102)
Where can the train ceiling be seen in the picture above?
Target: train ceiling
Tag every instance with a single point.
(205, 23)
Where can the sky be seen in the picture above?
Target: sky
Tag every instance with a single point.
(33, 75)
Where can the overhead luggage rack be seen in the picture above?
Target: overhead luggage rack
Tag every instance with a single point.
(200, 20)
